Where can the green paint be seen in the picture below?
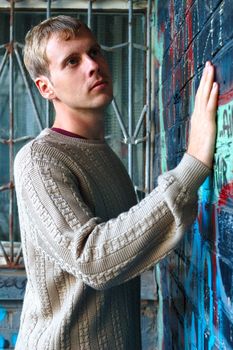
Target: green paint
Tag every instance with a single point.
(157, 47)
(158, 53)
(160, 326)
(223, 168)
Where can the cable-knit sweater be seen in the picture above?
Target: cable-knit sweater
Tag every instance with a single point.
(85, 241)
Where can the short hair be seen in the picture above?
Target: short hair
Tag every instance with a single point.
(35, 58)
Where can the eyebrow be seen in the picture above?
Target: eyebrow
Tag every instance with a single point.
(77, 54)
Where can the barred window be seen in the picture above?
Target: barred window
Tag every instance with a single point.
(121, 28)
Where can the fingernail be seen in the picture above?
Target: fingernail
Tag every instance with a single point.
(208, 64)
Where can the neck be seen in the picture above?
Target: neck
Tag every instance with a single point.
(88, 124)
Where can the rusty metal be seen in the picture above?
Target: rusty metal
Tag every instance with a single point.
(11, 131)
(4, 60)
(19, 139)
(148, 165)
(8, 261)
(8, 186)
(130, 87)
(21, 67)
(89, 14)
(48, 15)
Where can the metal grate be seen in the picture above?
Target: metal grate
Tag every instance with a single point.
(134, 126)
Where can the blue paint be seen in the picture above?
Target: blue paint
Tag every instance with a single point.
(193, 340)
(14, 338)
(3, 313)
(2, 342)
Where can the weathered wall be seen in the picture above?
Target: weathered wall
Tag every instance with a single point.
(12, 288)
(196, 281)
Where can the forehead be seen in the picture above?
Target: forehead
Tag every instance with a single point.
(57, 47)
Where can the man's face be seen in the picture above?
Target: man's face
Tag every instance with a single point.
(79, 73)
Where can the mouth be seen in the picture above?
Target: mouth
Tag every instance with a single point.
(100, 84)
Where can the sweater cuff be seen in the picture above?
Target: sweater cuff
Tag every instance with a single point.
(191, 172)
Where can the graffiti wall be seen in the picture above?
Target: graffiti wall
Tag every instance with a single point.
(196, 281)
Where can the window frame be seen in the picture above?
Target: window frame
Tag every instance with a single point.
(11, 251)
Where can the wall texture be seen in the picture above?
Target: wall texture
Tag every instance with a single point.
(196, 281)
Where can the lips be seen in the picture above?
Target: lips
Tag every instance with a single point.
(99, 83)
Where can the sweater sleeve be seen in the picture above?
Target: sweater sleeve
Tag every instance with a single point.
(103, 254)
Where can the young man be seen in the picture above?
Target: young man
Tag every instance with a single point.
(85, 240)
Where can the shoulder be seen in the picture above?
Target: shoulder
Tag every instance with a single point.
(50, 150)
(38, 150)
(42, 148)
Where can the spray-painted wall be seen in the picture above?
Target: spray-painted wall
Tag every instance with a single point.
(196, 281)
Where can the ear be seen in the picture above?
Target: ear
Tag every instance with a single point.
(45, 87)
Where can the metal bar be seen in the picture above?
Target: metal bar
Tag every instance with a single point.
(3, 61)
(141, 189)
(23, 138)
(21, 46)
(19, 139)
(48, 10)
(47, 103)
(8, 186)
(28, 88)
(140, 140)
(120, 120)
(89, 14)
(8, 262)
(11, 131)
(148, 100)
(112, 48)
(18, 256)
(140, 47)
(114, 138)
(139, 123)
(47, 107)
(130, 88)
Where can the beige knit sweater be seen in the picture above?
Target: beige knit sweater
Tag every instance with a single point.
(84, 247)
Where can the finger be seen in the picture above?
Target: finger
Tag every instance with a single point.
(203, 79)
(208, 84)
(213, 99)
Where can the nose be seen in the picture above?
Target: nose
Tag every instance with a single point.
(92, 66)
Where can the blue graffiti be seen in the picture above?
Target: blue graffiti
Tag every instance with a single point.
(2, 342)
(3, 313)
(14, 339)
(197, 293)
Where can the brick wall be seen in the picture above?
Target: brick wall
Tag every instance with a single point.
(196, 281)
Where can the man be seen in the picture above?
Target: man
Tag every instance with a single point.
(85, 240)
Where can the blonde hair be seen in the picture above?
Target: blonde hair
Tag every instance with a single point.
(35, 58)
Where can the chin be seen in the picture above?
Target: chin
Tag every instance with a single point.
(107, 100)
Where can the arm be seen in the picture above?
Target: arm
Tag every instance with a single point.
(104, 254)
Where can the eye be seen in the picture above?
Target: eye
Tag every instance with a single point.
(72, 61)
(95, 52)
